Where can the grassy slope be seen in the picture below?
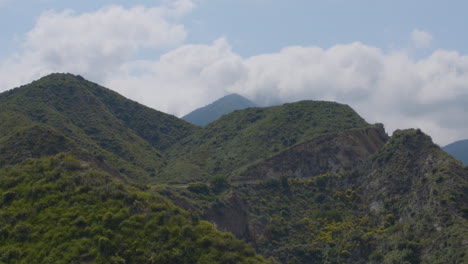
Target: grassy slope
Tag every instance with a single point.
(247, 136)
(65, 210)
(128, 136)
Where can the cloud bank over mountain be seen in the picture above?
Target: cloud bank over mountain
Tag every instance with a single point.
(394, 87)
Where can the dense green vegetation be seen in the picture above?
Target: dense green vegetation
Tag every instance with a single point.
(306, 182)
(213, 111)
(426, 189)
(65, 210)
(126, 135)
(63, 112)
(312, 220)
(459, 150)
(149, 146)
(244, 137)
(405, 205)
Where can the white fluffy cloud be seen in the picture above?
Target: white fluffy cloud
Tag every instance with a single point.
(401, 92)
(182, 79)
(94, 44)
(421, 39)
(393, 88)
(388, 87)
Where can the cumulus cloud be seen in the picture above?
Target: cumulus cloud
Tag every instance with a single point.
(182, 79)
(421, 39)
(94, 44)
(393, 88)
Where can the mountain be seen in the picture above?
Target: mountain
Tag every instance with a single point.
(213, 111)
(347, 198)
(459, 150)
(73, 157)
(63, 112)
(240, 139)
(87, 175)
(62, 209)
(329, 153)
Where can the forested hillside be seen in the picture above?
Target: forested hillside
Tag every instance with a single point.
(242, 138)
(87, 175)
(63, 112)
(61, 209)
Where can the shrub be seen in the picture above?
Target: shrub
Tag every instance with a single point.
(8, 197)
(199, 188)
(219, 183)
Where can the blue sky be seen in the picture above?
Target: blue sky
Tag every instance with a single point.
(263, 26)
(255, 27)
(403, 63)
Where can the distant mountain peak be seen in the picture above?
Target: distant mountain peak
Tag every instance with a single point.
(224, 105)
(233, 96)
(459, 150)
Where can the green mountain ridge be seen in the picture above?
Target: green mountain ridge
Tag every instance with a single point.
(225, 105)
(94, 119)
(248, 136)
(404, 203)
(87, 175)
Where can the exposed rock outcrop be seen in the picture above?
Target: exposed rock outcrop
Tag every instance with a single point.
(230, 215)
(326, 154)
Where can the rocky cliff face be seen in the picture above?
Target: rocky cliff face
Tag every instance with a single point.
(230, 215)
(326, 154)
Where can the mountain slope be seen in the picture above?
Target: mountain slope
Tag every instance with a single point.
(248, 136)
(330, 153)
(459, 150)
(215, 110)
(127, 135)
(65, 210)
(404, 203)
(306, 182)
(425, 189)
